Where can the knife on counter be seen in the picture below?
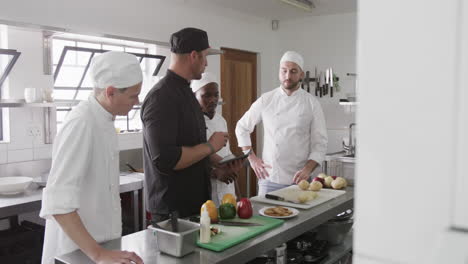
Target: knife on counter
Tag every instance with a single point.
(234, 223)
(196, 219)
(279, 198)
(131, 167)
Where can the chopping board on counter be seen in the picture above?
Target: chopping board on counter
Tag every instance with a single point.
(233, 235)
(291, 193)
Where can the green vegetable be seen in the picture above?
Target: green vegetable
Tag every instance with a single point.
(227, 211)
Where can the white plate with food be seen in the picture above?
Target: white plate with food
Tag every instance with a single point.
(278, 212)
(14, 185)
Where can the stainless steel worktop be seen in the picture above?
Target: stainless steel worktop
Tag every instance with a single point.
(144, 243)
(30, 200)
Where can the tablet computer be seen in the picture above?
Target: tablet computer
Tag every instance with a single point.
(231, 157)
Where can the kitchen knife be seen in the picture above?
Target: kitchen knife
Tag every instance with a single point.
(279, 198)
(321, 85)
(306, 82)
(317, 83)
(131, 167)
(325, 82)
(234, 223)
(174, 221)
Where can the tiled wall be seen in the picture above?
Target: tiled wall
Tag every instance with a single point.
(326, 41)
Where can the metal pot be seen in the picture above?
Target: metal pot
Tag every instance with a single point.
(336, 229)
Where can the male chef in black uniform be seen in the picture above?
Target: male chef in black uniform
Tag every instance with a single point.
(175, 148)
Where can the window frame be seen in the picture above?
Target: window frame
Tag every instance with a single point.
(16, 54)
(94, 51)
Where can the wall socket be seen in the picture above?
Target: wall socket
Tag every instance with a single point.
(34, 131)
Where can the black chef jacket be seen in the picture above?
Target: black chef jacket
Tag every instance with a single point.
(172, 118)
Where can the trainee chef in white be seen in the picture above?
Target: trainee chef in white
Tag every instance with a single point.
(295, 137)
(81, 202)
(206, 92)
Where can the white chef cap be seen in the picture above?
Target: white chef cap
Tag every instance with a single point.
(206, 78)
(115, 68)
(293, 56)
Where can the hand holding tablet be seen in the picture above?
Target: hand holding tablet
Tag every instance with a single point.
(231, 158)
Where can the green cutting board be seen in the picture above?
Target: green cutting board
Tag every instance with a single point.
(233, 235)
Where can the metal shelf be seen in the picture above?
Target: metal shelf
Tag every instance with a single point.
(47, 106)
(22, 103)
(348, 103)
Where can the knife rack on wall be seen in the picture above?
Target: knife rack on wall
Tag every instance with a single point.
(323, 83)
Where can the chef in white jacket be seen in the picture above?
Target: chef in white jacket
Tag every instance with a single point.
(295, 137)
(81, 203)
(206, 92)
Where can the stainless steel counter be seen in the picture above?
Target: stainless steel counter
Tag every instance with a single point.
(340, 156)
(30, 201)
(144, 243)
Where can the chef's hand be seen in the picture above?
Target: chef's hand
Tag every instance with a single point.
(303, 174)
(225, 174)
(236, 165)
(258, 166)
(113, 257)
(218, 140)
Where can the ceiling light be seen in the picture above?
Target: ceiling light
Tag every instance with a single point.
(307, 5)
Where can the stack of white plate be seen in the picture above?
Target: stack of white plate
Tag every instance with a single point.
(14, 184)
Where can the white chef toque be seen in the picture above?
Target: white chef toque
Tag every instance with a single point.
(206, 78)
(115, 68)
(293, 56)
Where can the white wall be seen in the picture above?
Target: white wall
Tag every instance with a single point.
(324, 41)
(406, 62)
(150, 19)
(145, 19)
(27, 72)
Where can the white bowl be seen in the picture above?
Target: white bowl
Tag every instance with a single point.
(14, 185)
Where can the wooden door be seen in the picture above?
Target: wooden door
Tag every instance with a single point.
(239, 91)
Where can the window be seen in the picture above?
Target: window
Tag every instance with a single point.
(8, 58)
(71, 61)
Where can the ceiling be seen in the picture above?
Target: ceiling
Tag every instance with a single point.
(276, 9)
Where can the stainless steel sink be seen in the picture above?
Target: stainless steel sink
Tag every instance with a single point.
(347, 158)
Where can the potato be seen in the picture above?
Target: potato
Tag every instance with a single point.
(322, 175)
(315, 186)
(328, 181)
(303, 185)
(312, 195)
(307, 196)
(338, 183)
(345, 182)
(303, 198)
